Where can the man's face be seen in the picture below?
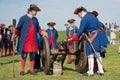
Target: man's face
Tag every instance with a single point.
(72, 23)
(34, 12)
(52, 26)
(8, 32)
(80, 14)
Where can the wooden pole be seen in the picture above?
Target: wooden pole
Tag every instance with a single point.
(14, 24)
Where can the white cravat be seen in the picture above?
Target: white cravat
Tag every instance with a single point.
(51, 28)
(84, 14)
(29, 15)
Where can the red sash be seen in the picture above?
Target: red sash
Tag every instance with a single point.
(51, 42)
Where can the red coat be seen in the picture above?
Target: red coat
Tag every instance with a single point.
(31, 41)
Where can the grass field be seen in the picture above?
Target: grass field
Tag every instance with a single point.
(111, 64)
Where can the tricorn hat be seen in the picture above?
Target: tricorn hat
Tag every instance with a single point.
(95, 13)
(71, 20)
(79, 9)
(51, 23)
(34, 7)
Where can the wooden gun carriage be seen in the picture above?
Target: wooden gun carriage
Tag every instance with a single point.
(49, 56)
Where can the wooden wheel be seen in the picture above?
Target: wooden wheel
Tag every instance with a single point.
(81, 58)
(45, 55)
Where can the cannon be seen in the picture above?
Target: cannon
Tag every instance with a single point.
(49, 56)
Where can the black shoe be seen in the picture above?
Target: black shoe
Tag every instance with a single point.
(101, 74)
(69, 62)
(90, 75)
(37, 70)
(33, 73)
(22, 73)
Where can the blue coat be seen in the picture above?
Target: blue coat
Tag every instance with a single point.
(55, 34)
(74, 30)
(9, 41)
(88, 24)
(23, 27)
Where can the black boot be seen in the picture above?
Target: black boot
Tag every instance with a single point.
(22, 73)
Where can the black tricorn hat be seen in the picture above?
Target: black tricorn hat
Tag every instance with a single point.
(95, 13)
(51, 23)
(79, 9)
(71, 20)
(34, 7)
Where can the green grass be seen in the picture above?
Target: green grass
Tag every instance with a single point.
(62, 35)
(111, 64)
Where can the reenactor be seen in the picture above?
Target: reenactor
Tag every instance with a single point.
(70, 31)
(52, 35)
(90, 26)
(27, 29)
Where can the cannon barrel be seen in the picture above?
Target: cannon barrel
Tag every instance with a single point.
(62, 46)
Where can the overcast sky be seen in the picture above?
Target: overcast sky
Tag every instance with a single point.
(59, 10)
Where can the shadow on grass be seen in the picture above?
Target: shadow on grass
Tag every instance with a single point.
(69, 69)
(9, 62)
(8, 55)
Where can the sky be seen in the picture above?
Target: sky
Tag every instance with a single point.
(59, 11)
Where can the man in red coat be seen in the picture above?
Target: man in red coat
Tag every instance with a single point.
(27, 29)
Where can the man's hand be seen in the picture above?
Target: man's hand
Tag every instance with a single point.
(44, 34)
(14, 37)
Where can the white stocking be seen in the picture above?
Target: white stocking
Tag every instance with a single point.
(100, 68)
(90, 64)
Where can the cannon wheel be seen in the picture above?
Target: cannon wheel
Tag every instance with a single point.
(45, 55)
(81, 58)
